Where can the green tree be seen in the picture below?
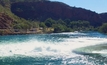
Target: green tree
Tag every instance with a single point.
(49, 22)
(67, 21)
(60, 21)
(80, 25)
(103, 28)
(59, 28)
(34, 24)
(17, 26)
(42, 24)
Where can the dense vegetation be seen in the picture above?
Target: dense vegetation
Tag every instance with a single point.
(67, 25)
(103, 28)
(28, 15)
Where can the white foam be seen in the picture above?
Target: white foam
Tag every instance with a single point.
(100, 52)
(37, 48)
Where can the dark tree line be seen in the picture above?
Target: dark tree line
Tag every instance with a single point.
(103, 28)
(67, 25)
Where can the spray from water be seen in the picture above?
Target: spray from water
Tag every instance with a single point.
(36, 48)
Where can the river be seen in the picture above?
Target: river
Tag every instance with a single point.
(73, 48)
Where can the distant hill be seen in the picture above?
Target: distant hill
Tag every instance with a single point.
(19, 12)
(104, 16)
(55, 10)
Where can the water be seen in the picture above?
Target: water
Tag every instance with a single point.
(74, 48)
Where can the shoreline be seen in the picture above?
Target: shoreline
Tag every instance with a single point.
(26, 31)
(31, 31)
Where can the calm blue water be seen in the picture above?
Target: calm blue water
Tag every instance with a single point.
(74, 48)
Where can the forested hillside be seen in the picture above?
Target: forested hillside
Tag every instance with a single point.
(55, 10)
(17, 16)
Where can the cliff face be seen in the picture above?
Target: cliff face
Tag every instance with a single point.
(55, 10)
(5, 21)
(104, 16)
(41, 10)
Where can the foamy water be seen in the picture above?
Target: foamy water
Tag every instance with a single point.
(62, 46)
(34, 47)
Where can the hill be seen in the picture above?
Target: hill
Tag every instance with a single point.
(104, 16)
(55, 10)
(9, 21)
(22, 16)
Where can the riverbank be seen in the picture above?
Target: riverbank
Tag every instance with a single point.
(25, 31)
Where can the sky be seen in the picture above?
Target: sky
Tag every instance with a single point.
(99, 6)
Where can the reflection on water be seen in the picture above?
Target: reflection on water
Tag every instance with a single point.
(85, 48)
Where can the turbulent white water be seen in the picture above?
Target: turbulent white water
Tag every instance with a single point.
(34, 47)
(54, 49)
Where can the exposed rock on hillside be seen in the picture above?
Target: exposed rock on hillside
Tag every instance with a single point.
(55, 10)
(5, 21)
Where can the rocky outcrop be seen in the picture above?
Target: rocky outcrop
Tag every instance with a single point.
(5, 21)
